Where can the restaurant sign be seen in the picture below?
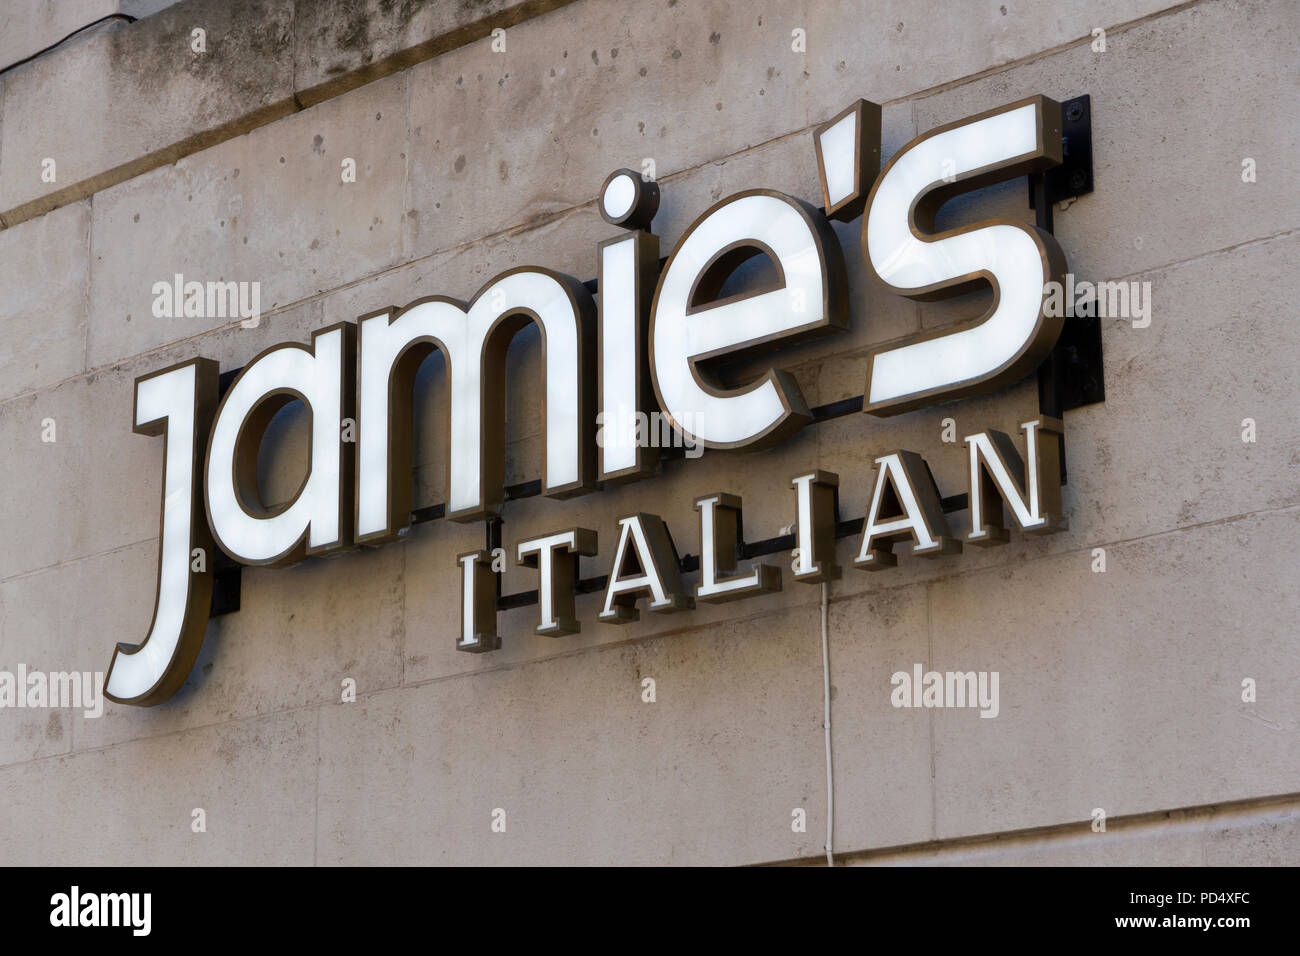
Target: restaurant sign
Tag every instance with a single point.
(647, 341)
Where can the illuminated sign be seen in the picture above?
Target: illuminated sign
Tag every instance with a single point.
(642, 345)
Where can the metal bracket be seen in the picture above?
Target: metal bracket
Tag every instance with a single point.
(1073, 178)
(1073, 374)
(227, 576)
(493, 533)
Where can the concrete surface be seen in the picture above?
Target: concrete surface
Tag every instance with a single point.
(1119, 690)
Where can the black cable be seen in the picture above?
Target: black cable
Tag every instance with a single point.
(112, 16)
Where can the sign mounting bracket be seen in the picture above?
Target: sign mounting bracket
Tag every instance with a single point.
(1073, 375)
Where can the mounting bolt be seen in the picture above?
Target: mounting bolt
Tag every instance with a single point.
(1074, 112)
(1078, 179)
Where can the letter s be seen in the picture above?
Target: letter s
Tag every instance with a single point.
(1014, 335)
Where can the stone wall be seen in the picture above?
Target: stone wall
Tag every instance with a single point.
(1120, 690)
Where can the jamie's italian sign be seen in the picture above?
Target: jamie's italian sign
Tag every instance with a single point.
(641, 344)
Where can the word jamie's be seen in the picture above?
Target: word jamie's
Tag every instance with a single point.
(648, 342)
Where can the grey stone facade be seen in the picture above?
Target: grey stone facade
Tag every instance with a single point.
(1120, 690)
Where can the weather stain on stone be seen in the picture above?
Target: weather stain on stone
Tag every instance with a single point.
(886, 610)
(460, 163)
(318, 144)
(595, 58)
(136, 218)
(714, 37)
(677, 54)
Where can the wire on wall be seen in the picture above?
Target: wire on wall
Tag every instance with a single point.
(826, 723)
(124, 17)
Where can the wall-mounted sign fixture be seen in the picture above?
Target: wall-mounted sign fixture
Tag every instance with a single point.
(643, 343)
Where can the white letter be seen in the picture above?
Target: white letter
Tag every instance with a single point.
(178, 402)
(162, 303)
(688, 326)
(659, 577)
(814, 526)
(901, 696)
(625, 286)
(59, 915)
(1014, 335)
(720, 520)
(473, 340)
(317, 520)
(906, 491)
(998, 475)
(989, 695)
(93, 688)
(478, 605)
(556, 558)
(142, 909)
